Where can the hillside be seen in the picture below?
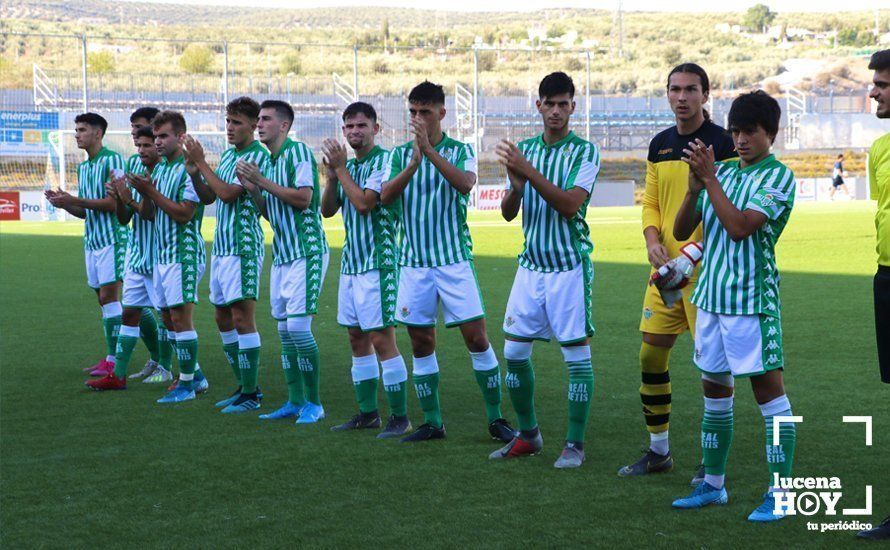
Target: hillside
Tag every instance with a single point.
(398, 46)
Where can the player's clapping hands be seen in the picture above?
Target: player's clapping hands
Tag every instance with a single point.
(59, 198)
(700, 159)
(119, 190)
(192, 149)
(421, 138)
(513, 160)
(140, 183)
(247, 173)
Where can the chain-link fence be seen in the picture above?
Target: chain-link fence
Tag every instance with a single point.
(490, 92)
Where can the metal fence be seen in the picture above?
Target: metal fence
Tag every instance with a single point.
(490, 93)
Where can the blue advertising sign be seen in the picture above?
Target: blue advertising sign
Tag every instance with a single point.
(26, 133)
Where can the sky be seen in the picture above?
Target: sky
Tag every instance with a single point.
(523, 5)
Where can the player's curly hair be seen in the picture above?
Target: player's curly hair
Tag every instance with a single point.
(757, 108)
(174, 118)
(244, 106)
(427, 93)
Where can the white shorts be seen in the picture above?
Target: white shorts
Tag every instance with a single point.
(552, 304)
(368, 300)
(294, 287)
(454, 285)
(177, 284)
(105, 266)
(139, 290)
(234, 278)
(741, 345)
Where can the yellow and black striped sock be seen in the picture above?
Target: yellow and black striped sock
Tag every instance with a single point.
(655, 391)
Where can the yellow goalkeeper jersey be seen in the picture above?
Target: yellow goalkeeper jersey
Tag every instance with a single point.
(879, 181)
(667, 178)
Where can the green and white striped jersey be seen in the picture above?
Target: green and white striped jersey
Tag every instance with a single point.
(553, 243)
(434, 214)
(238, 231)
(177, 243)
(140, 249)
(741, 278)
(371, 240)
(298, 233)
(101, 229)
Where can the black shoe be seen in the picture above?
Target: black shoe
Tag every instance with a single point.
(397, 426)
(425, 432)
(500, 430)
(361, 421)
(699, 476)
(650, 463)
(881, 532)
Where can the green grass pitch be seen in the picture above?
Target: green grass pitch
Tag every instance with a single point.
(115, 469)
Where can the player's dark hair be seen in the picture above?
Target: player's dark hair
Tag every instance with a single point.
(427, 93)
(360, 108)
(145, 131)
(880, 61)
(92, 119)
(696, 69)
(282, 109)
(757, 108)
(147, 113)
(555, 84)
(244, 106)
(174, 118)
(840, 156)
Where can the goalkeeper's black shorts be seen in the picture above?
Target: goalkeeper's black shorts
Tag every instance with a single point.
(882, 319)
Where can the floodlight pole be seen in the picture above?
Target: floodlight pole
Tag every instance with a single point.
(587, 95)
(476, 100)
(355, 71)
(225, 81)
(83, 49)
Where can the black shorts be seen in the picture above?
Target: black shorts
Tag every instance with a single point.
(837, 182)
(882, 319)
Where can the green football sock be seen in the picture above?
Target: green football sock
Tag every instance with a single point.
(365, 375)
(779, 458)
(580, 392)
(148, 330)
(126, 343)
(112, 326)
(716, 434)
(309, 363)
(249, 361)
(187, 353)
(427, 388)
(165, 348)
(230, 349)
(395, 385)
(520, 383)
(488, 377)
(290, 363)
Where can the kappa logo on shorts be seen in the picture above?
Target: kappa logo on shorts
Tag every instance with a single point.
(648, 313)
(697, 354)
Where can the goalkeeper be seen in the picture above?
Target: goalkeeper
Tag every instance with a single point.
(666, 184)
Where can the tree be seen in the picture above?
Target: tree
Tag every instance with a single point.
(758, 17)
(101, 62)
(196, 59)
(290, 63)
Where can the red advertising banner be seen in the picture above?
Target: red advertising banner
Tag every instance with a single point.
(9, 205)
